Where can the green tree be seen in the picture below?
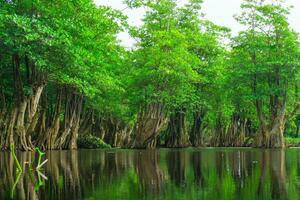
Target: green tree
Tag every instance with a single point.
(164, 74)
(265, 60)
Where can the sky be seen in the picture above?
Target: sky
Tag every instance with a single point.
(220, 12)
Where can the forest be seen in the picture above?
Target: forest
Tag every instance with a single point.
(66, 82)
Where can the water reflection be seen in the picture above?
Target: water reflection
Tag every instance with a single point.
(197, 164)
(150, 176)
(164, 174)
(278, 175)
(177, 163)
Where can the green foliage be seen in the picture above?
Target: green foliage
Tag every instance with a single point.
(265, 58)
(77, 48)
(91, 142)
(292, 142)
(180, 60)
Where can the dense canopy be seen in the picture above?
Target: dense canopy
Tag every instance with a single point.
(65, 77)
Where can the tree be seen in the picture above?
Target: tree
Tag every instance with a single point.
(265, 59)
(67, 54)
(164, 69)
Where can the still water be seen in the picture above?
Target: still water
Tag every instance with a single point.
(162, 174)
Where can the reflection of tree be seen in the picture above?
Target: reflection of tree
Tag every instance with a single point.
(274, 163)
(278, 175)
(52, 169)
(263, 167)
(17, 184)
(102, 168)
(70, 173)
(220, 163)
(177, 166)
(217, 174)
(113, 165)
(149, 173)
(198, 174)
(12, 193)
(240, 167)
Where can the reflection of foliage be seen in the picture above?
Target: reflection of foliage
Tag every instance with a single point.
(40, 175)
(12, 150)
(15, 184)
(40, 182)
(61, 182)
(126, 174)
(41, 154)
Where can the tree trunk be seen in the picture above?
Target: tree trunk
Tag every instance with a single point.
(48, 135)
(75, 127)
(220, 131)
(196, 136)
(112, 126)
(235, 136)
(272, 136)
(276, 133)
(24, 113)
(177, 136)
(150, 121)
(69, 135)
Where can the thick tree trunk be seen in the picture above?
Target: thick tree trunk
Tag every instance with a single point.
(112, 126)
(48, 135)
(276, 133)
(33, 113)
(74, 130)
(177, 135)
(125, 136)
(69, 135)
(4, 123)
(117, 132)
(272, 136)
(150, 121)
(196, 135)
(10, 128)
(26, 120)
(24, 114)
(87, 122)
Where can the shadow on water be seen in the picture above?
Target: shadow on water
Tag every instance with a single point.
(159, 174)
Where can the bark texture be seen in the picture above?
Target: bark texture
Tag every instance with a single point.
(177, 134)
(196, 133)
(151, 120)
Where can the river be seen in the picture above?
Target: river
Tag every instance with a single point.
(208, 173)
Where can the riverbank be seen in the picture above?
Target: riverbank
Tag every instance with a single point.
(92, 142)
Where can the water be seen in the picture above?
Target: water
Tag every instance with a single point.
(162, 174)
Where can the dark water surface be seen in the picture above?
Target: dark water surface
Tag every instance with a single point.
(163, 174)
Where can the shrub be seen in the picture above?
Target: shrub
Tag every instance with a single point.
(91, 142)
(292, 142)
